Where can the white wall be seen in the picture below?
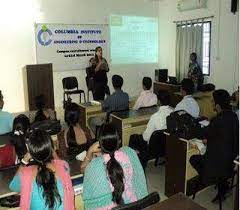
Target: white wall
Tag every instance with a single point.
(18, 47)
(224, 72)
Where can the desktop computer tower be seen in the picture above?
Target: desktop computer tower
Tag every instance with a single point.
(161, 75)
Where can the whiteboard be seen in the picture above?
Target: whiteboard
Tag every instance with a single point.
(69, 46)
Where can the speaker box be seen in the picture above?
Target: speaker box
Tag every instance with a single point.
(161, 75)
(234, 6)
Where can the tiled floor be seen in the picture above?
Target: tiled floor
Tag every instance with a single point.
(156, 180)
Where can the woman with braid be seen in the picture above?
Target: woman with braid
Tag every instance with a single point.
(115, 177)
(47, 184)
(75, 138)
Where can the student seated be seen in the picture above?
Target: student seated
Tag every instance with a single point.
(188, 103)
(21, 126)
(157, 122)
(146, 98)
(75, 138)
(115, 177)
(117, 101)
(6, 119)
(43, 113)
(158, 119)
(222, 143)
(46, 185)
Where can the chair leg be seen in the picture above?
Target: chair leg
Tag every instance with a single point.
(80, 98)
(220, 202)
(87, 95)
(84, 97)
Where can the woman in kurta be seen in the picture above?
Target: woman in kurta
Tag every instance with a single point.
(46, 185)
(100, 68)
(115, 177)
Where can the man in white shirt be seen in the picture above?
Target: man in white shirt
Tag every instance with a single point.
(146, 98)
(188, 103)
(158, 120)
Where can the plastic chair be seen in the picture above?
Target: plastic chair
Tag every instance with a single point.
(140, 204)
(70, 87)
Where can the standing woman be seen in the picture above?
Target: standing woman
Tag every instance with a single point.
(46, 185)
(101, 68)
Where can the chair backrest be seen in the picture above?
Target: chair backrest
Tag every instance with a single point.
(70, 83)
(140, 204)
(5, 139)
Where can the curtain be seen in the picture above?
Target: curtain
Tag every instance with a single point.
(189, 39)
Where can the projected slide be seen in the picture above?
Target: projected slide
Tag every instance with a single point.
(133, 39)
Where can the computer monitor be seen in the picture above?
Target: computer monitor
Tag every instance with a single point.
(172, 80)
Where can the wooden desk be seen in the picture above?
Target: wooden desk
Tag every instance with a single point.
(177, 202)
(179, 174)
(7, 176)
(169, 87)
(88, 110)
(132, 122)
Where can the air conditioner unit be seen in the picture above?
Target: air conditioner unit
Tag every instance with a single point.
(185, 5)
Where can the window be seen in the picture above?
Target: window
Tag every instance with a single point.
(206, 48)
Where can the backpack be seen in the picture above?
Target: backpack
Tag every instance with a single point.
(183, 125)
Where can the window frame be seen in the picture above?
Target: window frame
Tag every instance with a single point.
(210, 42)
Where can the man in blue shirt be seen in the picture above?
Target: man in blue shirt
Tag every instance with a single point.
(6, 119)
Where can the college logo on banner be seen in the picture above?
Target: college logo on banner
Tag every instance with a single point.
(44, 36)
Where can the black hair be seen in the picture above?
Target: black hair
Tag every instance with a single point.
(109, 142)
(40, 105)
(117, 81)
(72, 116)
(194, 55)
(1, 96)
(40, 149)
(188, 86)
(147, 82)
(96, 57)
(21, 125)
(164, 97)
(222, 98)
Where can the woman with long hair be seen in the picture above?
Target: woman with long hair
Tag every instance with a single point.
(43, 113)
(100, 65)
(115, 177)
(21, 126)
(46, 185)
(75, 138)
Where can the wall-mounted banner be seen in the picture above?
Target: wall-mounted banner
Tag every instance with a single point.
(69, 47)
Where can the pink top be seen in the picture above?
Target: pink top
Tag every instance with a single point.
(146, 98)
(26, 185)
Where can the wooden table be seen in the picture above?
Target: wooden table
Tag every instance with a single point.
(7, 176)
(179, 174)
(177, 202)
(89, 109)
(132, 122)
